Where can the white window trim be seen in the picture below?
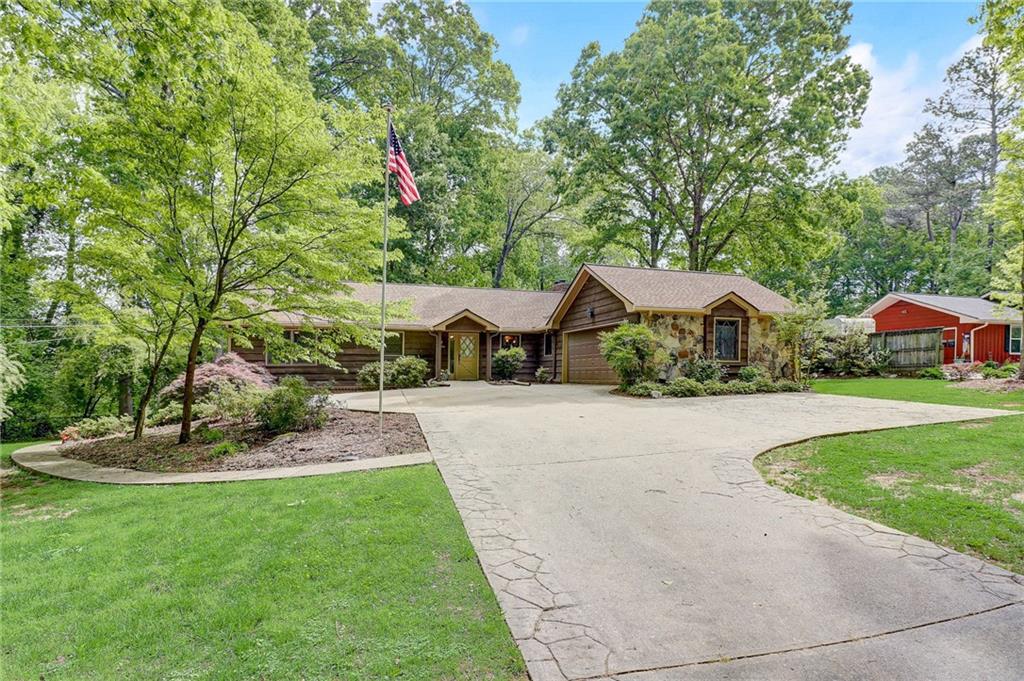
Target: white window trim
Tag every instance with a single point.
(1019, 338)
(501, 338)
(739, 339)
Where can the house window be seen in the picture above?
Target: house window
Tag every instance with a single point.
(727, 340)
(1015, 340)
(549, 344)
(394, 344)
(510, 340)
(290, 336)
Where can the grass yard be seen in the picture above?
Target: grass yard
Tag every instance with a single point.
(958, 484)
(357, 576)
(919, 390)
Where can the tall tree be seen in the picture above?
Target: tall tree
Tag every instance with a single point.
(709, 108)
(980, 101)
(218, 163)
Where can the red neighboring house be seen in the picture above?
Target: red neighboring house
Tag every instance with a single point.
(974, 329)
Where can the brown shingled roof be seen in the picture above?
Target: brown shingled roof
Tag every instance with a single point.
(509, 309)
(685, 290)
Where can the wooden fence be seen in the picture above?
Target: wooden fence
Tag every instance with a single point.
(912, 349)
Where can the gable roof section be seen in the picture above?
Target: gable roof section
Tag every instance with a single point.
(969, 309)
(644, 289)
(431, 306)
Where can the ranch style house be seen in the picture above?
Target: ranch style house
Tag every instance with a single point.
(457, 329)
(973, 329)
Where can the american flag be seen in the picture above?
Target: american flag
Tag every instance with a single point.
(399, 165)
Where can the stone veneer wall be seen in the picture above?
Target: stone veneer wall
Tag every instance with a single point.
(682, 335)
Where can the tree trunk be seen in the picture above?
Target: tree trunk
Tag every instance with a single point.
(190, 378)
(124, 395)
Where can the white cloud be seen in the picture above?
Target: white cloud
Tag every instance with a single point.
(519, 35)
(895, 109)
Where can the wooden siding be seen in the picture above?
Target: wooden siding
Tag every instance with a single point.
(352, 358)
(727, 309)
(903, 315)
(533, 344)
(608, 311)
(464, 324)
(990, 344)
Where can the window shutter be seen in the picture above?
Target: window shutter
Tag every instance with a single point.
(1006, 338)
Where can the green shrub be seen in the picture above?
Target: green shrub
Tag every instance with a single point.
(684, 387)
(753, 373)
(790, 386)
(1004, 371)
(850, 354)
(507, 362)
(204, 433)
(643, 389)
(741, 388)
(766, 387)
(543, 375)
(228, 448)
(632, 351)
(702, 369)
(171, 413)
(933, 373)
(292, 406)
(231, 403)
(102, 426)
(406, 371)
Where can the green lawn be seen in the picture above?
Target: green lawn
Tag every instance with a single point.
(958, 484)
(357, 576)
(919, 390)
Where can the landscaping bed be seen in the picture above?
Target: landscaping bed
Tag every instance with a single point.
(346, 436)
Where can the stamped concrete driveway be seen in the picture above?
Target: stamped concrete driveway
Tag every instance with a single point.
(632, 539)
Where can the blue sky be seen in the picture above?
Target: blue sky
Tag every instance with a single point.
(906, 46)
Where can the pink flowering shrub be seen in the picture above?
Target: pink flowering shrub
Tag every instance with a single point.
(227, 371)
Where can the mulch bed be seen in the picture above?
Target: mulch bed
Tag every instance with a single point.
(347, 436)
(991, 385)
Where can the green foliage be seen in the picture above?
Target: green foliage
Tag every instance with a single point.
(103, 426)
(170, 413)
(684, 387)
(651, 150)
(207, 435)
(12, 378)
(507, 362)
(850, 354)
(919, 390)
(642, 389)
(631, 351)
(1006, 371)
(702, 369)
(801, 330)
(932, 374)
(234, 403)
(543, 375)
(292, 406)
(753, 374)
(406, 371)
(229, 448)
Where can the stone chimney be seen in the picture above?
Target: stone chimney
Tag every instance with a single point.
(560, 285)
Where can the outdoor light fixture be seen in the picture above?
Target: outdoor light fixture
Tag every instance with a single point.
(590, 312)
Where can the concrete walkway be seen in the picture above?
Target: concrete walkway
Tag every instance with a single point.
(46, 458)
(633, 539)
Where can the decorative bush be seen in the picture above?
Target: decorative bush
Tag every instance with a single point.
(790, 386)
(227, 449)
(702, 369)
(171, 413)
(752, 374)
(933, 373)
(406, 371)
(543, 375)
(230, 403)
(1004, 371)
(507, 362)
(204, 433)
(850, 354)
(684, 387)
(292, 406)
(104, 425)
(632, 352)
(228, 369)
(643, 389)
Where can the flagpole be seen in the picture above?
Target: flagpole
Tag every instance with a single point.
(384, 271)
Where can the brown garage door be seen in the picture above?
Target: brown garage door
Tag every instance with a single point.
(586, 365)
